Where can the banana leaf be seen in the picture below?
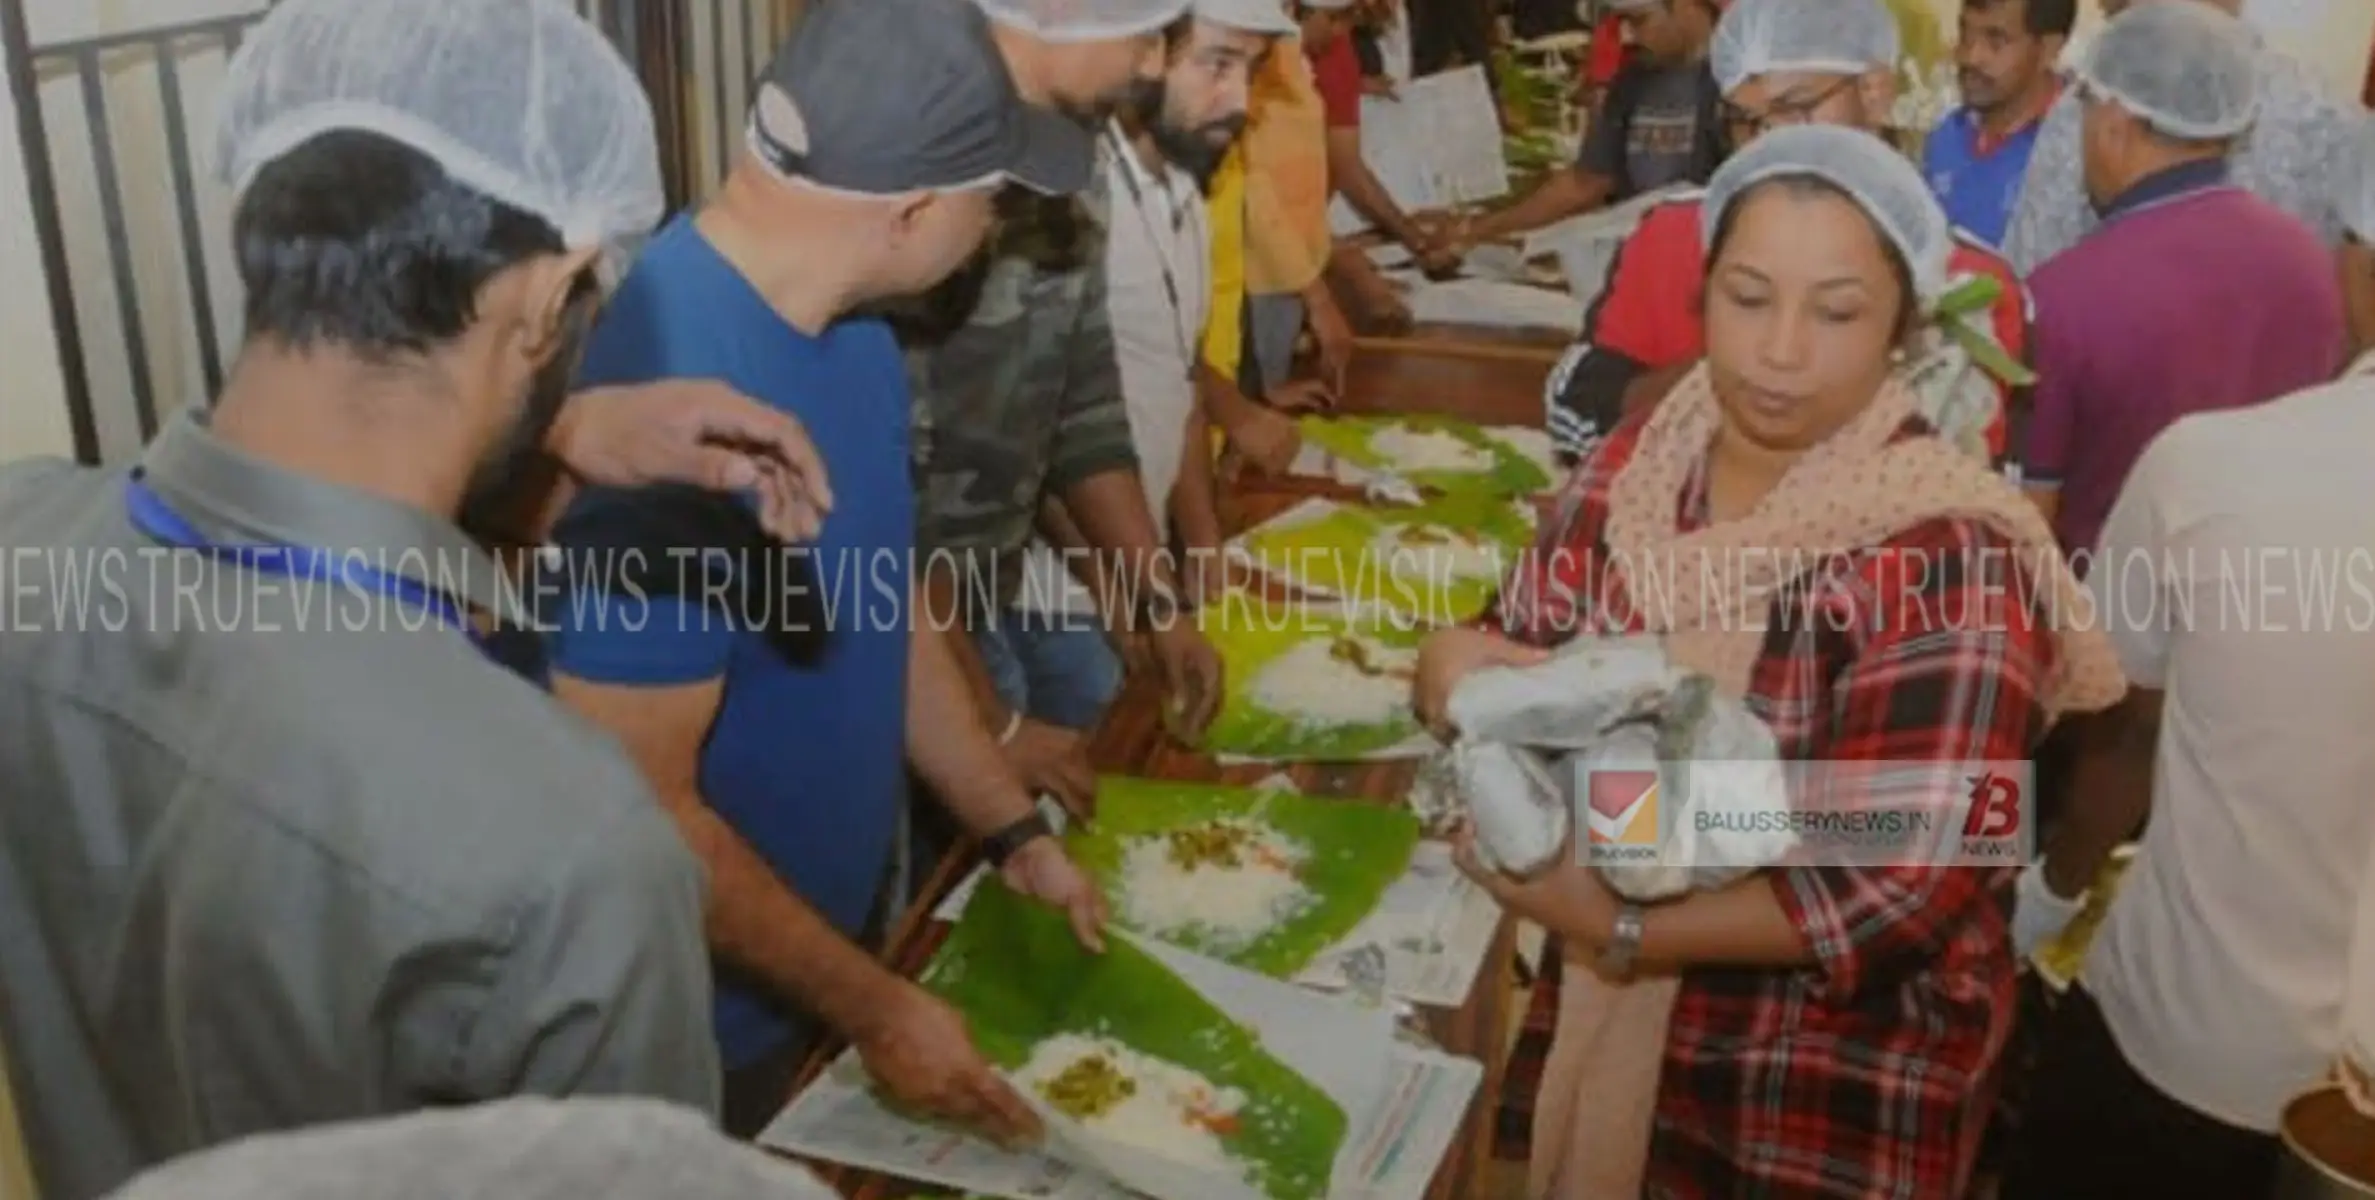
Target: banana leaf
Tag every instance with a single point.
(1348, 438)
(2060, 959)
(1020, 977)
(1357, 852)
(1963, 313)
(1337, 555)
(1249, 636)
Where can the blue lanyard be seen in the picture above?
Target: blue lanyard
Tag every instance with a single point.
(152, 516)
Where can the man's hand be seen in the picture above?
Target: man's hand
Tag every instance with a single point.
(1191, 677)
(1042, 871)
(1439, 258)
(1269, 439)
(1383, 306)
(1451, 655)
(1209, 576)
(1567, 898)
(1054, 760)
(1380, 86)
(1333, 334)
(2039, 914)
(1129, 645)
(917, 1049)
(702, 433)
(1302, 396)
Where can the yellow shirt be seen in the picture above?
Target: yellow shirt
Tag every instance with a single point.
(1224, 326)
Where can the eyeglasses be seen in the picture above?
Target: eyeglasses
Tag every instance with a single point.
(1788, 110)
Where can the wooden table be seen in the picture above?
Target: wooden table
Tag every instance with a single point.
(1489, 388)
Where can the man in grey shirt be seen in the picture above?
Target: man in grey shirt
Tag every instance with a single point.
(2300, 135)
(278, 844)
(1661, 125)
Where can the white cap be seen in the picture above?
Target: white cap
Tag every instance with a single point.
(2186, 70)
(1084, 20)
(529, 1149)
(1251, 16)
(1760, 37)
(521, 100)
(1872, 173)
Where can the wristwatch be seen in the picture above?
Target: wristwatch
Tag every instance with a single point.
(1000, 846)
(1624, 945)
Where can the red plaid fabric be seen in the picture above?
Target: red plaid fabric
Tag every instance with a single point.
(1872, 1072)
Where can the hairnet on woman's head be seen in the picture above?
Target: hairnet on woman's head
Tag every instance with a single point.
(1872, 173)
(1759, 37)
(2354, 183)
(523, 101)
(2187, 70)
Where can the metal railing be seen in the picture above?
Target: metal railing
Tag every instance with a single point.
(134, 231)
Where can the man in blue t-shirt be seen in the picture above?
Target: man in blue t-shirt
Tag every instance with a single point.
(777, 698)
(2004, 54)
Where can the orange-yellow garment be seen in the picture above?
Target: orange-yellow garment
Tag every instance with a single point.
(1286, 178)
(1224, 322)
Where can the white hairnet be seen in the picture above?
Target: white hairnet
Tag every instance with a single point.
(1871, 172)
(1758, 37)
(515, 1149)
(2354, 183)
(2187, 70)
(1763, 36)
(1084, 20)
(521, 100)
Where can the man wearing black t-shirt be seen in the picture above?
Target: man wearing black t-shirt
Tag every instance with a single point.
(1662, 124)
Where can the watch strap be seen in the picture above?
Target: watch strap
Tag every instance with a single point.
(1624, 944)
(1000, 846)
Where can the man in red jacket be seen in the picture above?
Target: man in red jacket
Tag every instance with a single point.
(1779, 62)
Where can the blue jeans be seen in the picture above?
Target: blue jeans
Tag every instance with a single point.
(1051, 668)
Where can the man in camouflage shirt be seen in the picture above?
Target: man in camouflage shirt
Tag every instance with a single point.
(1020, 426)
(2303, 130)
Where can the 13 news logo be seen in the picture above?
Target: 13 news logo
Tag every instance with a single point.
(1995, 825)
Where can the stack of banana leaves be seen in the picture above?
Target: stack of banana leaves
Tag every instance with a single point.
(1533, 99)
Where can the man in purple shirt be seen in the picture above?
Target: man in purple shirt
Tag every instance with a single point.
(2192, 294)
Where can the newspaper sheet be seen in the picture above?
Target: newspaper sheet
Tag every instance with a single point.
(1436, 144)
(1392, 1152)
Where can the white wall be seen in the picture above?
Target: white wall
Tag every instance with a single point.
(2332, 36)
(32, 394)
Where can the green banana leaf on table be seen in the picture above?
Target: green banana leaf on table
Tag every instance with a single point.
(1249, 636)
(1335, 555)
(1357, 852)
(1348, 438)
(1019, 975)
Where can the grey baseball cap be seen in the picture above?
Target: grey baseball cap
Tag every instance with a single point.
(889, 96)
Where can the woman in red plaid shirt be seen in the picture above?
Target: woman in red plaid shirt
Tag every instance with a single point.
(1833, 1029)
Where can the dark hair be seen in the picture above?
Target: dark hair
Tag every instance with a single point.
(2042, 18)
(356, 240)
(1908, 309)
